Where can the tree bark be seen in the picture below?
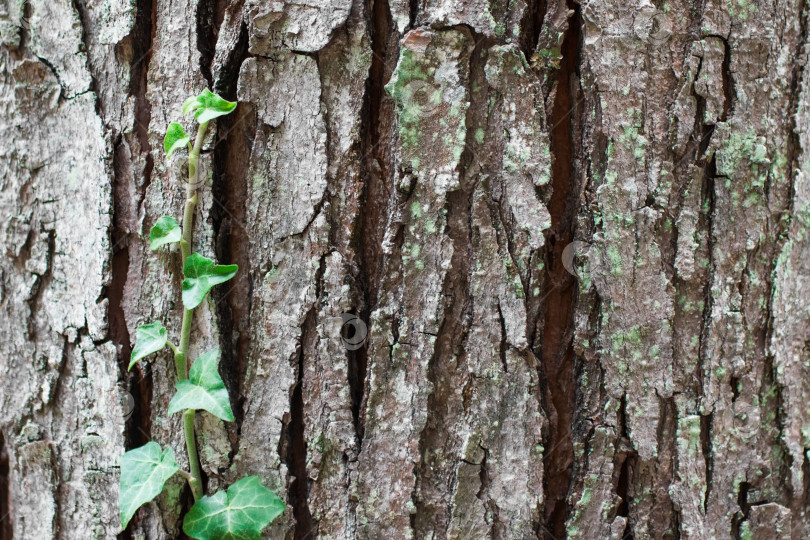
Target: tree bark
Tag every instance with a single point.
(526, 269)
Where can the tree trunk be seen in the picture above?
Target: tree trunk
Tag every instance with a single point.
(508, 270)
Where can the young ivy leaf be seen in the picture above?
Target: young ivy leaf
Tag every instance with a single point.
(241, 514)
(149, 338)
(208, 106)
(201, 274)
(165, 231)
(204, 389)
(175, 138)
(144, 471)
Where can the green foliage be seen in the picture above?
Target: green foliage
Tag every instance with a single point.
(241, 514)
(175, 138)
(165, 231)
(144, 471)
(204, 389)
(149, 338)
(201, 274)
(208, 106)
(247, 507)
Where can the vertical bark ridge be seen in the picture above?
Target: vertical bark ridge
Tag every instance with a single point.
(800, 495)
(556, 351)
(446, 368)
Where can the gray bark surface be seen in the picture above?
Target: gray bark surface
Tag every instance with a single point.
(577, 235)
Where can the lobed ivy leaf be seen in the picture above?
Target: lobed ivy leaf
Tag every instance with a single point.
(149, 338)
(175, 138)
(203, 389)
(144, 471)
(165, 231)
(241, 514)
(208, 106)
(201, 274)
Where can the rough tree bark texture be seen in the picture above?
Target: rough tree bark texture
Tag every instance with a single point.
(577, 233)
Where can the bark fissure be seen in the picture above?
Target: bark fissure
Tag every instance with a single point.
(626, 459)
(706, 448)
(139, 425)
(142, 37)
(230, 163)
(378, 118)
(38, 289)
(119, 270)
(707, 194)
(556, 349)
(296, 451)
(358, 366)
(729, 92)
(206, 36)
(370, 222)
(531, 26)
(6, 531)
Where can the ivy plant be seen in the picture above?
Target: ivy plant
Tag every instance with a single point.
(246, 507)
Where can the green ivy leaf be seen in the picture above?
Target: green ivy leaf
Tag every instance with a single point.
(175, 138)
(165, 231)
(204, 389)
(208, 106)
(144, 471)
(149, 338)
(241, 514)
(201, 274)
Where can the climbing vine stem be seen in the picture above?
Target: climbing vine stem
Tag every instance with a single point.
(248, 506)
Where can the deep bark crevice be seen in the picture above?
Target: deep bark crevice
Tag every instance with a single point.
(206, 36)
(296, 455)
(139, 425)
(358, 367)
(729, 93)
(413, 13)
(38, 289)
(293, 436)
(624, 467)
(706, 448)
(143, 33)
(377, 125)
(377, 171)
(229, 189)
(742, 515)
(531, 26)
(557, 354)
(6, 530)
(707, 224)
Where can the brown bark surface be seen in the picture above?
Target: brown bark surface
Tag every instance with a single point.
(574, 234)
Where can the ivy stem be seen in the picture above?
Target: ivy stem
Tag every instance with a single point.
(181, 354)
(193, 458)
